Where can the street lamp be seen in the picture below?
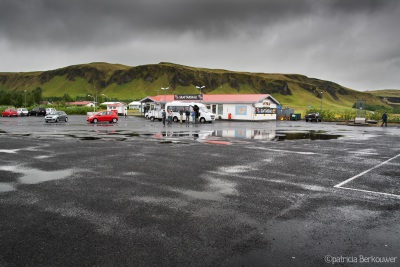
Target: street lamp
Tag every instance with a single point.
(94, 104)
(164, 89)
(200, 88)
(106, 97)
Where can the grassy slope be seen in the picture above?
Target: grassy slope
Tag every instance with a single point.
(385, 93)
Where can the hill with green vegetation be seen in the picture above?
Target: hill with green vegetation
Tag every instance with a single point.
(125, 83)
(390, 97)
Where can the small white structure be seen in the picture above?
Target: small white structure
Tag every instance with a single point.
(135, 105)
(118, 107)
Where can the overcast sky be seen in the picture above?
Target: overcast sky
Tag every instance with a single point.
(355, 43)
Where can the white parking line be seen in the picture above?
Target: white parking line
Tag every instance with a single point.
(340, 185)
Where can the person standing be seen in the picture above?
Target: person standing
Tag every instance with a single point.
(163, 115)
(169, 116)
(196, 112)
(187, 113)
(384, 119)
(193, 116)
(181, 114)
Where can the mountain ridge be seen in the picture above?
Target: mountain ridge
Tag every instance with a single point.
(126, 82)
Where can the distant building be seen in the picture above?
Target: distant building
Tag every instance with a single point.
(118, 107)
(81, 103)
(135, 105)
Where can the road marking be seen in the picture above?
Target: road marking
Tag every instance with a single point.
(340, 185)
(367, 191)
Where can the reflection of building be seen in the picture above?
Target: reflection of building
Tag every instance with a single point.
(266, 134)
(254, 107)
(261, 134)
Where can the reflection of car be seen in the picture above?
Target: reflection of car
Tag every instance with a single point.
(22, 112)
(9, 112)
(109, 116)
(313, 117)
(38, 111)
(56, 116)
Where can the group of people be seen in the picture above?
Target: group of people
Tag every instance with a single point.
(168, 116)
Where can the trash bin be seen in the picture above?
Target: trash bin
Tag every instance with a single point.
(295, 117)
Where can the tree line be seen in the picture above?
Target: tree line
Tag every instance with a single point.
(35, 97)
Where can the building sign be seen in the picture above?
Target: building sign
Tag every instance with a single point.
(188, 97)
(240, 110)
(265, 111)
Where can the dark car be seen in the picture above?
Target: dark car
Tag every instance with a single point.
(38, 112)
(313, 117)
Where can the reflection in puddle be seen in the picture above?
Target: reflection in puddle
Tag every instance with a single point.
(260, 134)
(32, 176)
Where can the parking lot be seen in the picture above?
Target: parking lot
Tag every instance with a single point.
(135, 193)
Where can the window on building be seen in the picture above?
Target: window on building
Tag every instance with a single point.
(220, 109)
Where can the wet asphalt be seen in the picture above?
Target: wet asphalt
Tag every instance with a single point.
(228, 193)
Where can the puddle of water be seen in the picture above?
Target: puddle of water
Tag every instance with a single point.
(269, 135)
(6, 187)
(310, 135)
(32, 176)
(204, 195)
(84, 138)
(9, 151)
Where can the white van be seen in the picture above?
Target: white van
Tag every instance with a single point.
(50, 111)
(205, 114)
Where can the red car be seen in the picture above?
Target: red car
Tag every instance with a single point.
(109, 116)
(10, 112)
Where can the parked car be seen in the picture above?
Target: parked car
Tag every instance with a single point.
(313, 117)
(56, 116)
(109, 116)
(22, 112)
(10, 112)
(50, 111)
(38, 112)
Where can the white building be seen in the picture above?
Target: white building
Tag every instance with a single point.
(118, 107)
(135, 105)
(253, 107)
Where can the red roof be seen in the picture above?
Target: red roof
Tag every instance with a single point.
(79, 103)
(228, 98)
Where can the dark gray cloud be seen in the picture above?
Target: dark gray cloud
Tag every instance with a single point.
(329, 39)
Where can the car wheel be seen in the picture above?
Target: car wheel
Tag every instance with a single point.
(46, 121)
(152, 118)
(66, 119)
(114, 120)
(57, 120)
(202, 120)
(95, 120)
(175, 119)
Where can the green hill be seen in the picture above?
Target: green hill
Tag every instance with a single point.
(133, 83)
